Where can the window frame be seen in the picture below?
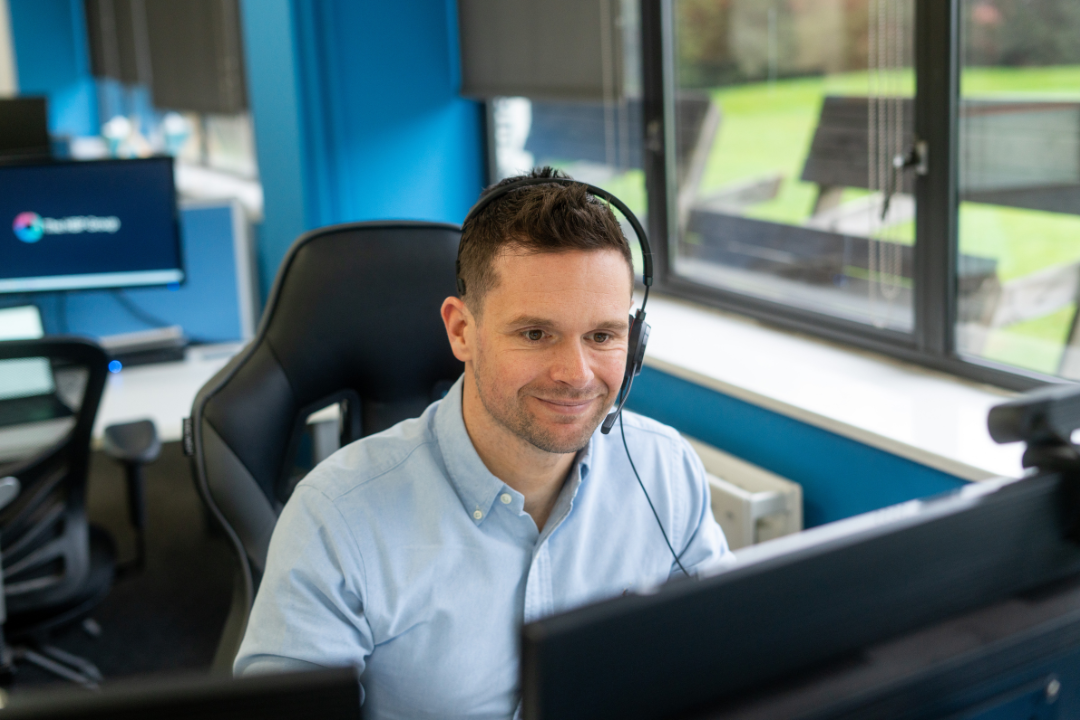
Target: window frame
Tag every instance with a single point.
(932, 343)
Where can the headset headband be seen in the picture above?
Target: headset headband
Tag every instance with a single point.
(646, 252)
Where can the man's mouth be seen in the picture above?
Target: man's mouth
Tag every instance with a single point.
(568, 406)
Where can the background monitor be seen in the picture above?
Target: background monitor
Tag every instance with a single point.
(24, 128)
(78, 225)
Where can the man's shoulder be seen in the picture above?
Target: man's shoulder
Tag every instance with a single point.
(645, 429)
(653, 444)
(365, 461)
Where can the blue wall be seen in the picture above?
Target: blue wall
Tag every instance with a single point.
(52, 58)
(840, 477)
(357, 115)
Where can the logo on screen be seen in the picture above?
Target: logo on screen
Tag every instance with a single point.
(28, 227)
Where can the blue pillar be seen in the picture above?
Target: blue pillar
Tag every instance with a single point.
(52, 58)
(271, 57)
(357, 115)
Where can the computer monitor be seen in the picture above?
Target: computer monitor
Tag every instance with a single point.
(97, 224)
(973, 594)
(332, 694)
(24, 128)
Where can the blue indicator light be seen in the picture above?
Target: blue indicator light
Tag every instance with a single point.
(173, 286)
(115, 366)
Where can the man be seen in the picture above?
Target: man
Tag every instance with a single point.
(417, 553)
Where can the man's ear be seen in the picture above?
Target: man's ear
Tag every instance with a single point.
(459, 324)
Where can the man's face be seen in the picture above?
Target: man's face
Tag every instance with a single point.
(549, 349)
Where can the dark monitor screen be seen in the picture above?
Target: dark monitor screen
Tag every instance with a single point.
(24, 128)
(328, 694)
(794, 605)
(77, 225)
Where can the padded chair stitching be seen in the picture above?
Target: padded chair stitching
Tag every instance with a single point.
(273, 353)
(210, 422)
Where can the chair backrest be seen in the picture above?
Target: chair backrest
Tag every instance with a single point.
(44, 536)
(353, 317)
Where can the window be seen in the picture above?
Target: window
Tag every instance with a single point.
(1019, 183)
(900, 175)
(787, 117)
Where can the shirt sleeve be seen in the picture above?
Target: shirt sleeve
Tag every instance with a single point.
(309, 610)
(705, 549)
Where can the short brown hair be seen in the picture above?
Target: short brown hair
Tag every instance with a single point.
(542, 218)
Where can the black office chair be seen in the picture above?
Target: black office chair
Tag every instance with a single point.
(56, 566)
(353, 318)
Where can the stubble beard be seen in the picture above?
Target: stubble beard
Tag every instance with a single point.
(514, 416)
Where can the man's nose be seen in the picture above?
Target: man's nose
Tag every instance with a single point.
(571, 365)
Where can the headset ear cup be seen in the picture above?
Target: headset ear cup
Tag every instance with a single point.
(635, 350)
(639, 349)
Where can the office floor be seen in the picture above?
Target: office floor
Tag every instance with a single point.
(167, 619)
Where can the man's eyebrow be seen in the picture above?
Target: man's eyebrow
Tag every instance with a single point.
(614, 325)
(522, 320)
(537, 321)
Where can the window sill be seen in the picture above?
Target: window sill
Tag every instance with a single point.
(925, 416)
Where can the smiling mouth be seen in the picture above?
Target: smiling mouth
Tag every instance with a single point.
(567, 406)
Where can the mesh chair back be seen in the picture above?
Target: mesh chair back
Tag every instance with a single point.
(44, 536)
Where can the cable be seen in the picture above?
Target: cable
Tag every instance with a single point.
(678, 562)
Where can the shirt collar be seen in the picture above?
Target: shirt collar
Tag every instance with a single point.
(474, 484)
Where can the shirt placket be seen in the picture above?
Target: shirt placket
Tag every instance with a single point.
(538, 592)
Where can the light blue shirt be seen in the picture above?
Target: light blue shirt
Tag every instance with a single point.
(403, 555)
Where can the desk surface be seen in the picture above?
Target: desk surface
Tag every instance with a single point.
(162, 392)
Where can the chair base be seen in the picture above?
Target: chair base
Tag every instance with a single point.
(29, 631)
(37, 624)
(63, 664)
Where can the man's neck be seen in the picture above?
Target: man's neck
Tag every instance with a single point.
(536, 474)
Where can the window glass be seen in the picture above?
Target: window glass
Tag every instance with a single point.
(598, 141)
(788, 116)
(1019, 176)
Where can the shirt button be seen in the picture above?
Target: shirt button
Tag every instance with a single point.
(477, 514)
(505, 497)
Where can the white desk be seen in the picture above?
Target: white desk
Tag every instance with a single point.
(162, 392)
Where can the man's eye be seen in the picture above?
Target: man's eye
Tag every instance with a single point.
(601, 337)
(534, 335)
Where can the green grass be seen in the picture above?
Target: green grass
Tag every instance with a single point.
(1045, 83)
(766, 129)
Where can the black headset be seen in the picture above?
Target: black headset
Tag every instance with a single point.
(639, 329)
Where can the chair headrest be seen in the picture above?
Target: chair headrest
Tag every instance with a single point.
(354, 313)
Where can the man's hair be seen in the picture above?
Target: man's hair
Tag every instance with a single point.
(543, 218)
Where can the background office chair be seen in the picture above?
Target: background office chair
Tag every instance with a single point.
(353, 318)
(56, 566)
